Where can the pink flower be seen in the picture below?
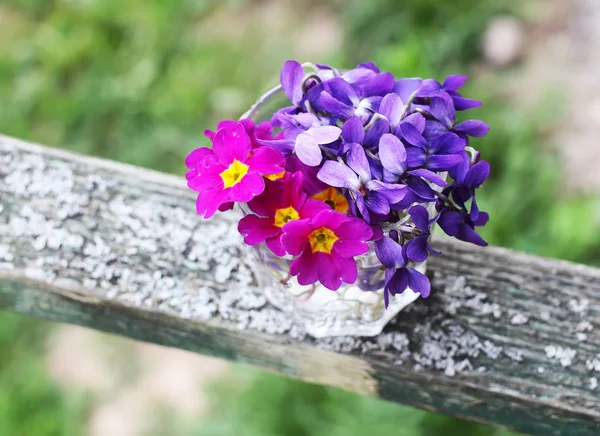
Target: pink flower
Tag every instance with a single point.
(232, 171)
(260, 131)
(281, 202)
(326, 245)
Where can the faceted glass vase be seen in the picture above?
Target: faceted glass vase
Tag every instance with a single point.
(356, 309)
(353, 310)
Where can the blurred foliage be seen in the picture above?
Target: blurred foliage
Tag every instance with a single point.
(432, 33)
(276, 406)
(30, 404)
(139, 80)
(135, 80)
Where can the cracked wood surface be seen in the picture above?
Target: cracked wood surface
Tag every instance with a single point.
(508, 339)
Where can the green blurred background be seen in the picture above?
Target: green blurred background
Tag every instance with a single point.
(139, 81)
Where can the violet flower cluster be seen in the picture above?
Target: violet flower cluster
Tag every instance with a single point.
(358, 161)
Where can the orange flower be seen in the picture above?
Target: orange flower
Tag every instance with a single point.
(334, 199)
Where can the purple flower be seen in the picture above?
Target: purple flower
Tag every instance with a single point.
(342, 101)
(393, 156)
(418, 248)
(326, 246)
(399, 276)
(466, 182)
(369, 195)
(304, 134)
(431, 88)
(442, 109)
(307, 145)
(439, 154)
(461, 226)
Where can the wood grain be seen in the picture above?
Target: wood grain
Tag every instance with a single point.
(508, 339)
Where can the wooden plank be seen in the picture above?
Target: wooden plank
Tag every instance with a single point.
(506, 338)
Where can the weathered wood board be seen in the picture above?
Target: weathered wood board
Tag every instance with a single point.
(506, 338)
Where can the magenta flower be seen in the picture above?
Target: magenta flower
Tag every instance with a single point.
(281, 202)
(326, 244)
(232, 171)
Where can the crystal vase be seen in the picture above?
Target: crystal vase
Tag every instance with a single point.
(356, 309)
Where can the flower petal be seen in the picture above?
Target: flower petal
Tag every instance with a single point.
(377, 129)
(380, 85)
(353, 130)
(307, 149)
(208, 202)
(329, 276)
(442, 108)
(393, 192)
(443, 162)
(412, 135)
(346, 267)
(429, 175)
(305, 267)
(312, 207)
(420, 217)
(232, 143)
(295, 236)
(335, 107)
(419, 282)
(325, 134)
(355, 229)
(416, 249)
(447, 143)
(415, 157)
(450, 222)
(417, 120)
(274, 244)
(251, 185)
(338, 175)
(196, 156)
(468, 234)
(454, 82)
(266, 160)
(291, 77)
(358, 162)
(377, 203)
(329, 218)
(406, 87)
(204, 182)
(342, 91)
(462, 104)
(477, 174)
(392, 154)
(392, 108)
(256, 230)
(389, 252)
(398, 282)
(473, 128)
(293, 192)
(429, 88)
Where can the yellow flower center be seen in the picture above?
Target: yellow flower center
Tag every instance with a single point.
(322, 240)
(234, 174)
(283, 216)
(275, 176)
(334, 199)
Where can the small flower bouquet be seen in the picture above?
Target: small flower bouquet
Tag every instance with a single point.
(339, 191)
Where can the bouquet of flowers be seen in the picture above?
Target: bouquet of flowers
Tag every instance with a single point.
(359, 161)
